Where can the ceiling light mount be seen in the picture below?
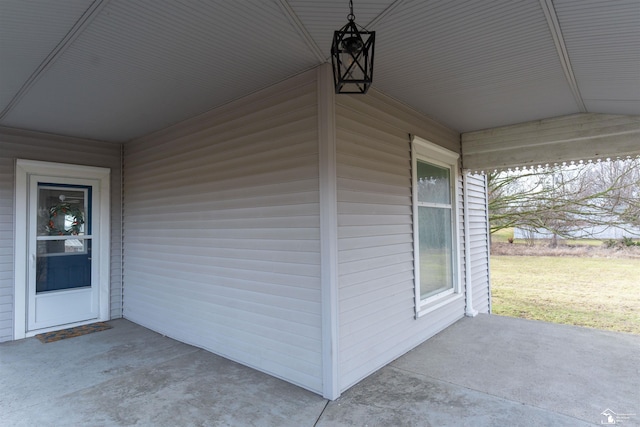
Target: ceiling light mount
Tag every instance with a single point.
(352, 56)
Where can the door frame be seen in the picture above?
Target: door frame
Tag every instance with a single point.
(24, 169)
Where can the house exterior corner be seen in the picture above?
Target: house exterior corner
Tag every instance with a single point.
(279, 230)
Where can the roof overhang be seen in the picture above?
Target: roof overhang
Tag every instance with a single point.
(117, 70)
(574, 138)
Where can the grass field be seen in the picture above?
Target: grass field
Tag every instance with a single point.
(602, 293)
(502, 236)
(505, 234)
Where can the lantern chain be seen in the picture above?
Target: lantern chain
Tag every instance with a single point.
(351, 17)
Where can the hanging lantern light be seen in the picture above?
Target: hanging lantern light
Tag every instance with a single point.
(352, 57)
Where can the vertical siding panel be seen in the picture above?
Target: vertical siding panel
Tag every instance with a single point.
(17, 144)
(375, 234)
(478, 241)
(222, 238)
(462, 240)
(6, 246)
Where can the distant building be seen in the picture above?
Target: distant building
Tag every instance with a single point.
(598, 232)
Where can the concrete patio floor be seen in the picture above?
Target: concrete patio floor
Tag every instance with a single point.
(483, 371)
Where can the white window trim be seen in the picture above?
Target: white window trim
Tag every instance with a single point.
(422, 149)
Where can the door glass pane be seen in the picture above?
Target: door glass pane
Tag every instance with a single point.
(62, 246)
(56, 270)
(434, 183)
(435, 250)
(63, 255)
(61, 211)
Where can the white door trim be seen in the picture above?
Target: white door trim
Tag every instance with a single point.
(24, 169)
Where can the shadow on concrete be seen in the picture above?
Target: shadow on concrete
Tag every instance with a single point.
(483, 371)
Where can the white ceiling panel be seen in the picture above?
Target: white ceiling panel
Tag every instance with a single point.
(322, 18)
(144, 65)
(468, 63)
(119, 69)
(603, 40)
(29, 31)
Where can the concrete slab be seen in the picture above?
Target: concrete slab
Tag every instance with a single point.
(394, 397)
(129, 375)
(574, 371)
(32, 372)
(485, 371)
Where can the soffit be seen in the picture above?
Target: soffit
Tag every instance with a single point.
(116, 70)
(143, 65)
(29, 32)
(473, 64)
(603, 40)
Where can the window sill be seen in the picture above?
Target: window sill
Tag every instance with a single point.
(438, 301)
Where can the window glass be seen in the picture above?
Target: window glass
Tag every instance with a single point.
(435, 229)
(434, 183)
(435, 247)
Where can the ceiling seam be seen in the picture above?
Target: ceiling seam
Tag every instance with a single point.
(383, 14)
(66, 41)
(556, 32)
(298, 25)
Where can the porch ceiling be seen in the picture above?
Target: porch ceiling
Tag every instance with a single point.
(115, 69)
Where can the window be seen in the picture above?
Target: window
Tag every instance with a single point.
(435, 172)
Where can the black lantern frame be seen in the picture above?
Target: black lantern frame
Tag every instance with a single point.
(352, 57)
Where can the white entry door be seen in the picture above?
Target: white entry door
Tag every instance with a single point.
(64, 280)
(62, 273)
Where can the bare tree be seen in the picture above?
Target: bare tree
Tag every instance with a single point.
(564, 199)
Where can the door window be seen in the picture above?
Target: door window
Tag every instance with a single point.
(63, 237)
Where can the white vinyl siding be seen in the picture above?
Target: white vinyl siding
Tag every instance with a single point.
(222, 237)
(16, 144)
(478, 235)
(375, 234)
(7, 165)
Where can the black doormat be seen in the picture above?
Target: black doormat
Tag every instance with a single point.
(73, 332)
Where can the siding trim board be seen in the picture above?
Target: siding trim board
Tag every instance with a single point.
(329, 231)
(469, 310)
(487, 247)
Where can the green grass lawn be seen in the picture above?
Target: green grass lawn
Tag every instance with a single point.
(600, 293)
(502, 236)
(505, 234)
